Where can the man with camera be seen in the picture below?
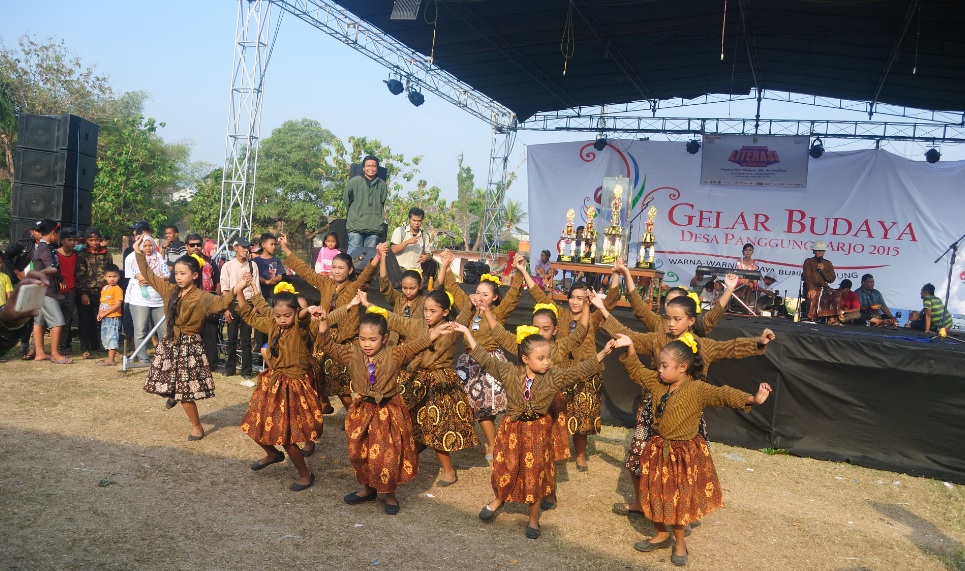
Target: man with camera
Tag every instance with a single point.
(410, 244)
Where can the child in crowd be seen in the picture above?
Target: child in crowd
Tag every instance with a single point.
(179, 369)
(323, 263)
(109, 313)
(6, 286)
(51, 315)
(409, 302)
(524, 469)
(679, 484)
(378, 426)
(283, 409)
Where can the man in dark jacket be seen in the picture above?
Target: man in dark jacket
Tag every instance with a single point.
(365, 198)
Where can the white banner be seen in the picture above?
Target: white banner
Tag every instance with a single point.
(879, 214)
(746, 160)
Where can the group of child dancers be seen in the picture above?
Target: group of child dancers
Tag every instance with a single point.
(393, 370)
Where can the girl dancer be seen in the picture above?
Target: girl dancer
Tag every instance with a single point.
(283, 409)
(179, 370)
(679, 483)
(409, 302)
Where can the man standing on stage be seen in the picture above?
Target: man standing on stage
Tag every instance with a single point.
(818, 275)
(872, 303)
(364, 199)
(410, 244)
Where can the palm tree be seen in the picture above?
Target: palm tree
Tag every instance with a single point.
(512, 215)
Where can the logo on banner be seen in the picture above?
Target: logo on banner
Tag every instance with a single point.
(754, 156)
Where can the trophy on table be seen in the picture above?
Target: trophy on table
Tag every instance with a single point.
(567, 241)
(613, 238)
(645, 259)
(588, 253)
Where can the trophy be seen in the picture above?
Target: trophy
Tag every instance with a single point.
(588, 253)
(645, 259)
(613, 235)
(567, 241)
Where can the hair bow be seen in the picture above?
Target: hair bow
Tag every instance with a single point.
(491, 278)
(524, 331)
(696, 299)
(379, 310)
(286, 287)
(550, 306)
(417, 270)
(199, 259)
(451, 300)
(688, 340)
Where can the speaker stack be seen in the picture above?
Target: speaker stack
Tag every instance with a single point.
(54, 169)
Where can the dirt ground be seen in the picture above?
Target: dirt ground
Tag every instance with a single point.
(96, 474)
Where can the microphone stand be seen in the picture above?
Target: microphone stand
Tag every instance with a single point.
(953, 248)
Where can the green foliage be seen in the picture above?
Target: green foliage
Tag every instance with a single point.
(775, 451)
(205, 206)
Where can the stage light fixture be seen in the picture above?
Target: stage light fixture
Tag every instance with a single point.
(416, 98)
(600, 142)
(932, 156)
(395, 86)
(817, 149)
(693, 146)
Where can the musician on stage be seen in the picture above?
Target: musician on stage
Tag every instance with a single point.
(747, 289)
(769, 294)
(818, 275)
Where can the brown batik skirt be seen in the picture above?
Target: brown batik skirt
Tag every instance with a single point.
(380, 443)
(524, 469)
(561, 435)
(678, 481)
(283, 410)
(821, 303)
(442, 418)
(583, 406)
(180, 370)
(335, 378)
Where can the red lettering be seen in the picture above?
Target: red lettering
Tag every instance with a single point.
(739, 221)
(704, 217)
(834, 230)
(760, 221)
(688, 218)
(887, 229)
(866, 228)
(795, 222)
(908, 230)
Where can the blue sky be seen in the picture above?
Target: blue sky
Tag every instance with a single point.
(180, 52)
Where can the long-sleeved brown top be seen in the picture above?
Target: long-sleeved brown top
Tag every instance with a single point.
(388, 361)
(334, 294)
(544, 387)
(437, 356)
(587, 348)
(398, 304)
(815, 278)
(560, 348)
(294, 343)
(654, 322)
(681, 414)
(192, 306)
(507, 304)
(710, 350)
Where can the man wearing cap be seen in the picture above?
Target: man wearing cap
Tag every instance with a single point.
(91, 262)
(818, 275)
(769, 297)
(364, 198)
(232, 273)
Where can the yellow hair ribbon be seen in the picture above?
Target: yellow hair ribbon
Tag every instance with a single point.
(491, 278)
(550, 306)
(417, 270)
(696, 299)
(688, 340)
(524, 331)
(451, 300)
(286, 287)
(199, 259)
(376, 309)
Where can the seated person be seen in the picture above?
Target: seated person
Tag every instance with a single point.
(543, 271)
(709, 294)
(848, 304)
(873, 306)
(933, 317)
(769, 298)
(912, 317)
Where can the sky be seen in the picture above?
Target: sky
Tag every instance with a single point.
(180, 52)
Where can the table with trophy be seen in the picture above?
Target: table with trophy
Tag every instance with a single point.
(590, 253)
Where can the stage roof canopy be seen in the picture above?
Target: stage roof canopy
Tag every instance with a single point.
(624, 51)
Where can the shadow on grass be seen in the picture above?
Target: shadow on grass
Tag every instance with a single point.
(926, 536)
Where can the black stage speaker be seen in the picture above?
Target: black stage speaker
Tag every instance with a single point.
(18, 228)
(55, 133)
(356, 170)
(55, 168)
(33, 202)
(472, 271)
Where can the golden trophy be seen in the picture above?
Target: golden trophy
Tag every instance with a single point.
(613, 235)
(645, 259)
(567, 241)
(588, 253)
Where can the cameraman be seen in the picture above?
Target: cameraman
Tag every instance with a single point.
(412, 247)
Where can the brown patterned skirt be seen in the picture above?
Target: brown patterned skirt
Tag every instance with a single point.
(583, 406)
(678, 483)
(644, 431)
(380, 443)
(821, 303)
(283, 410)
(442, 418)
(524, 469)
(485, 391)
(180, 370)
(336, 378)
(561, 435)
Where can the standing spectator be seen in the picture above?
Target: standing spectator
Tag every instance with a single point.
(175, 248)
(410, 243)
(270, 272)
(138, 228)
(91, 262)
(146, 304)
(234, 272)
(933, 317)
(67, 261)
(44, 256)
(16, 261)
(365, 197)
(211, 283)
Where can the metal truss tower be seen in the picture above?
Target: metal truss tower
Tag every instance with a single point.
(251, 52)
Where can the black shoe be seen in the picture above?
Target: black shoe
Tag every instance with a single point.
(230, 373)
(392, 509)
(259, 466)
(306, 452)
(354, 499)
(170, 403)
(296, 487)
(647, 545)
(532, 532)
(545, 504)
(679, 560)
(487, 514)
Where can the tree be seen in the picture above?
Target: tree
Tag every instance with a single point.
(205, 206)
(512, 216)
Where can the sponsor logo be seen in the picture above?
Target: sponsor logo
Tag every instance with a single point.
(753, 156)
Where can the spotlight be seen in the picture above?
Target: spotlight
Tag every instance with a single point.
(600, 142)
(416, 98)
(693, 146)
(817, 149)
(395, 86)
(932, 156)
